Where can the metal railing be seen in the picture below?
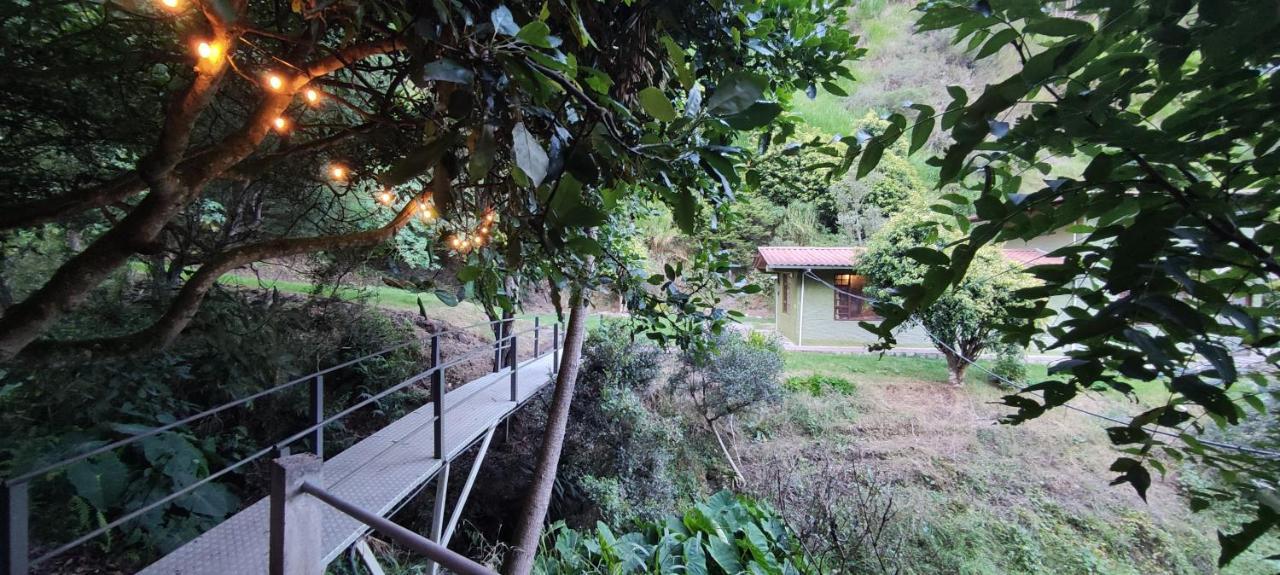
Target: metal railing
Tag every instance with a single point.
(15, 511)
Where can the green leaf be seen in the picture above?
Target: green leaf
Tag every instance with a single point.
(757, 115)
(100, 480)
(835, 89)
(211, 500)
(1133, 473)
(923, 127)
(415, 163)
(695, 558)
(530, 157)
(870, 157)
(724, 554)
(928, 256)
(481, 160)
(447, 70)
(469, 273)
(686, 211)
(585, 245)
(1058, 27)
(656, 104)
(503, 22)
(447, 297)
(996, 42)
(735, 93)
(537, 33)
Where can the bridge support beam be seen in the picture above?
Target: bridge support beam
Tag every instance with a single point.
(443, 537)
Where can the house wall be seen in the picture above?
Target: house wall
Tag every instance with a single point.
(821, 327)
(786, 322)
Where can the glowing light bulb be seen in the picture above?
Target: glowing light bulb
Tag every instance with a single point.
(338, 172)
(280, 124)
(170, 4)
(385, 197)
(477, 241)
(275, 82)
(488, 217)
(208, 51)
(312, 95)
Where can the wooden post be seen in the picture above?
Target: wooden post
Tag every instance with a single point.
(513, 362)
(15, 515)
(317, 415)
(537, 347)
(437, 396)
(297, 545)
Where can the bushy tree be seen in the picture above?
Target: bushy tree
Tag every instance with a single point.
(1170, 107)
(965, 319)
(864, 204)
(799, 169)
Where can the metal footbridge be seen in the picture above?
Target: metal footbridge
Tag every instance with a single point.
(318, 508)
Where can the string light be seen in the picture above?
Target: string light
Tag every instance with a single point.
(312, 95)
(170, 4)
(280, 124)
(208, 51)
(385, 197)
(275, 82)
(338, 172)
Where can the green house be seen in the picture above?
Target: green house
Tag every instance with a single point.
(808, 312)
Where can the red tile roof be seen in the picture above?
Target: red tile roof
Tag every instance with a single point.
(784, 257)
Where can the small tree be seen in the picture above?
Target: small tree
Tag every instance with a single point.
(965, 319)
(739, 374)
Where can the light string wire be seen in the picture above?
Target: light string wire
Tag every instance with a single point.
(1020, 387)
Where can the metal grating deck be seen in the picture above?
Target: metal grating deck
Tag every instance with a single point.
(376, 474)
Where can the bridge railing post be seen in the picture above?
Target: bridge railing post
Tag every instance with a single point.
(297, 545)
(437, 395)
(497, 346)
(16, 510)
(317, 415)
(555, 347)
(513, 361)
(537, 347)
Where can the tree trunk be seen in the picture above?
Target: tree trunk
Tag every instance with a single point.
(525, 546)
(956, 367)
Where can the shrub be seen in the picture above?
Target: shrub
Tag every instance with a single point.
(741, 373)
(726, 534)
(619, 452)
(818, 385)
(1010, 366)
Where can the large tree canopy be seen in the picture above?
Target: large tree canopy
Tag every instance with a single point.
(504, 133)
(1170, 110)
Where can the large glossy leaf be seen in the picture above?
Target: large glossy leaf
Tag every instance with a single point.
(415, 163)
(735, 93)
(755, 116)
(482, 155)
(447, 70)
(100, 480)
(529, 155)
(503, 22)
(210, 500)
(656, 104)
(537, 33)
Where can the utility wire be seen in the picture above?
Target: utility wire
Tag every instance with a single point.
(1020, 387)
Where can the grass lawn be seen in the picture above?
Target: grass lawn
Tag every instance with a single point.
(974, 496)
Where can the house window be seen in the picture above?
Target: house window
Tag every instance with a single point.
(849, 303)
(786, 291)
